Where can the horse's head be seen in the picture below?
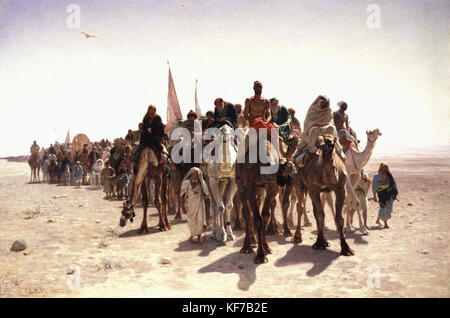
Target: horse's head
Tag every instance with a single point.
(127, 213)
(372, 135)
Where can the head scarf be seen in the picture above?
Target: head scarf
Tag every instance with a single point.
(317, 116)
(200, 177)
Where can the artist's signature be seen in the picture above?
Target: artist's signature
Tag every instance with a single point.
(44, 291)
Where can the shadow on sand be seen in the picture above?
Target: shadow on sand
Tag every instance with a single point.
(205, 249)
(354, 236)
(134, 232)
(306, 254)
(235, 263)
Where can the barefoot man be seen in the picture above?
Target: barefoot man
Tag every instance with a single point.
(193, 193)
(257, 112)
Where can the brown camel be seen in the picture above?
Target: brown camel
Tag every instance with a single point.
(323, 173)
(248, 178)
(148, 168)
(35, 165)
(287, 148)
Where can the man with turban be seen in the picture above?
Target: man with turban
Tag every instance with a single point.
(224, 114)
(281, 118)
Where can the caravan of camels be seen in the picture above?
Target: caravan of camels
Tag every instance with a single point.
(225, 169)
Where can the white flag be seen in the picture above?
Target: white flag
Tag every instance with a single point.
(197, 106)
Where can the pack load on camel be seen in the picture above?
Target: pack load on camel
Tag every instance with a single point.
(78, 145)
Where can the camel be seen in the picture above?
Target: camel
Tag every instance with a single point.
(248, 177)
(51, 168)
(223, 186)
(35, 165)
(148, 168)
(322, 173)
(356, 161)
(287, 148)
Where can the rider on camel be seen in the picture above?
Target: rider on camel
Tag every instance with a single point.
(257, 112)
(151, 134)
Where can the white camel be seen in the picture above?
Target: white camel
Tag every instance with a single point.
(221, 177)
(356, 161)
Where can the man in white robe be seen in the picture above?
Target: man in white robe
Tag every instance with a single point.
(194, 191)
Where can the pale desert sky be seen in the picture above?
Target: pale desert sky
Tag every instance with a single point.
(395, 78)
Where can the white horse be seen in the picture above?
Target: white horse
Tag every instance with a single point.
(221, 177)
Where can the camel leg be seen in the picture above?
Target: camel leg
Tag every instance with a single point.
(347, 207)
(290, 214)
(217, 230)
(285, 208)
(164, 202)
(144, 189)
(177, 194)
(157, 201)
(274, 226)
(321, 243)
(237, 212)
(231, 190)
(340, 199)
(258, 220)
(157, 181)
(272, 192)
(301, 199)
(306, 221)
(246, 248)
(327, 199)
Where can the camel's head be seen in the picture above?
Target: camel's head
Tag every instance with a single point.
(226, 131)
(326, 143)
(287, 171)
(127, 213)
(372, 135)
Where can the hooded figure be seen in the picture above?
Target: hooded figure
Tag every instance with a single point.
(193, 192)
(319, 115)
(318, 122)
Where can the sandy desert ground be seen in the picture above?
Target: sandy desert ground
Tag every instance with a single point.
(66, 227)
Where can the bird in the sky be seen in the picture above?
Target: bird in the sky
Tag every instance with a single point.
(88, 35)
(183, 5)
